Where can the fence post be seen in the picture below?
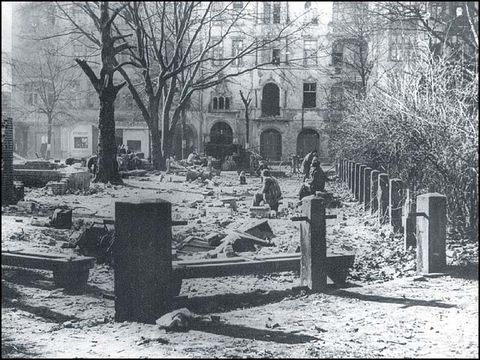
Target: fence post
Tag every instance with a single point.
(361, 183)
(396, 199)
(366, 186)
(345, 170)
(356, 192)
(431, 233)
(409, 222)
(313, 244)
(8, 194)
(374, 190)
(142, 260)
(382, 196)
(350, 174)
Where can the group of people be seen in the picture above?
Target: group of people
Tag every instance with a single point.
(314, 180)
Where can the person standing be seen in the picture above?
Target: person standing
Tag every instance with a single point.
(307, 161)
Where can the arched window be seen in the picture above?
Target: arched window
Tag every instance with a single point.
(215, 103)
(221, 103)
(270, 100)
(227, 103)
(307, 141)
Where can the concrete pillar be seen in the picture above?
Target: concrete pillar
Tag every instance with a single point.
(409, 222)
(8, 193)
(313, 244)
(361, 183)
(366, 186)
(349, 175)
(431, 233)
(356, 191)
(142, 260)
(374, 190)
(382, 196)
(396, 201)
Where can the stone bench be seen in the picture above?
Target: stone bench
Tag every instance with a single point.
(69, 272)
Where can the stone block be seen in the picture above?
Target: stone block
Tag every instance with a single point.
(374, 190)
(367, 188)
(396, 201)
(61, 219)
(431, 233)
(361, 183)
(260, 211)
(383, 197)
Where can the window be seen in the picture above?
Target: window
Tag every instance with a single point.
(394, 52)
(237, 48)
(270, 16)
(80, 142)
(459, 11)
(267, 12)
(238, 5)
(309, 95)
(276, 12)
(217, 53)
(221, 103)
(401, 46)
(438, 10)
(134, 145)
(32, 96)
(336, 97)
(276, 56)
(337, 56)
(310, 52)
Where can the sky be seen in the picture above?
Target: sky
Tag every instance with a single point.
(6, 26)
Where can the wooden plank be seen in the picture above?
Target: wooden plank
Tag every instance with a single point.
(336, 267)
(44, 262)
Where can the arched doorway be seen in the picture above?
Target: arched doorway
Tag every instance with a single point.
(189, 143)
(307, 140)
(271, 144)
(270, 100)
(221, 140)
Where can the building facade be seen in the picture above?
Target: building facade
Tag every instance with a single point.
(296, 100)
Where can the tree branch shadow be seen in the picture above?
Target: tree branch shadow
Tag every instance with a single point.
(231, 301)
(245, 332)
(407, 302)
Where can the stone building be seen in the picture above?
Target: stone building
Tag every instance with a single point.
(296, 101)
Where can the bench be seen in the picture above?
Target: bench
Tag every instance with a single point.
(337, 267)
(69, 272)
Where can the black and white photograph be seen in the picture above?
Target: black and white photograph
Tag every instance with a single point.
(240, 179)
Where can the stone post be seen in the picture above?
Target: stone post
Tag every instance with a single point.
(8, 193)
(313, 244)
(350, 170)
(382, 196)
(142, 260)
(396, 201)
(374, 190)
(361, 183)
(409, 222)
(366, 186)
(431, 232)
(356, 192)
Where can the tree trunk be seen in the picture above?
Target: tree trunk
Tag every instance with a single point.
(157, 156)
(49, 137)
(107, 148)
(247, 127)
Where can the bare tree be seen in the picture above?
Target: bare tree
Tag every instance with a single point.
(100, 34)
(49, 82)
(175, 46)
